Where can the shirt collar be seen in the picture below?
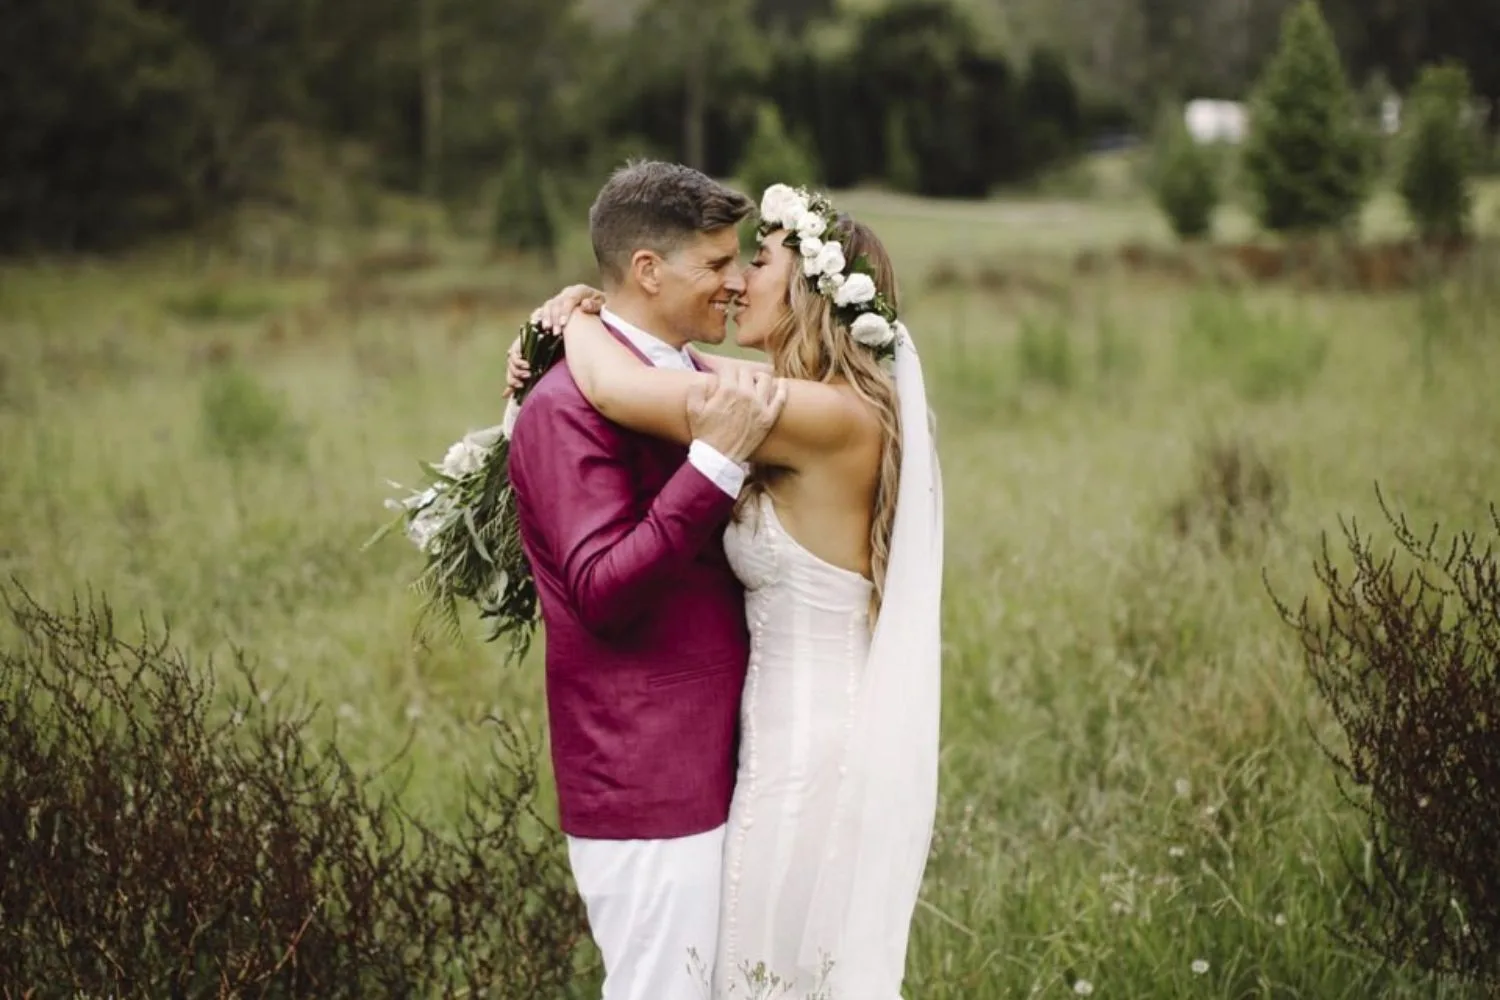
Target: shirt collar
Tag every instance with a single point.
(657, 350)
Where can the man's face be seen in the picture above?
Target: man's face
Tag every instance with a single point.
(700, 284)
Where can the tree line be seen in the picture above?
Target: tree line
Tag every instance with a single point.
(122, 118)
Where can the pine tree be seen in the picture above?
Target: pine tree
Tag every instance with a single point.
(1307, 155)
(1184, 178)
(523, 212)
(1438, 153)
(773, 156)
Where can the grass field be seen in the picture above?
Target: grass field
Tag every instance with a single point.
(1130, 783)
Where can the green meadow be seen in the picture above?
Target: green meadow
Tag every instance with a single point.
(1133, 801)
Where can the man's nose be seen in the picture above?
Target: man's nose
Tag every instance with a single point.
(735, 282)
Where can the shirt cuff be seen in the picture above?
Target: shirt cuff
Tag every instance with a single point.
(725, 473)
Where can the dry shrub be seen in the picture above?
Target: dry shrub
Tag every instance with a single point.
(159, 840)
(944, 275)
(1235, 496)
(1409, 662)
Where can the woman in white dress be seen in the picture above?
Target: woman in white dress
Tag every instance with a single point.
(838, 541)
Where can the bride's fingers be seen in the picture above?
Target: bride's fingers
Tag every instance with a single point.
(778, 402)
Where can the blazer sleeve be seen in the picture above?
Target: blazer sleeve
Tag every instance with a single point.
(583, 506)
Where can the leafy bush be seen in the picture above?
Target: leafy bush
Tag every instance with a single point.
(1438, 153)
(1263, 354)
(1409, 663)
(156, 842)
(1184, 178)
(242, 419)
(1045, 353)
(1307, 154)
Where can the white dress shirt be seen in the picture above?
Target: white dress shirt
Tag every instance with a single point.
(724, 472)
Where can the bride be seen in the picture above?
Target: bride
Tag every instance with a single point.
(838, 541)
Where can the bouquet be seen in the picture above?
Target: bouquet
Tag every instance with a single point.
(463, 521)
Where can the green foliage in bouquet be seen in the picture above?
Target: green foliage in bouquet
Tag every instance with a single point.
(464, 521)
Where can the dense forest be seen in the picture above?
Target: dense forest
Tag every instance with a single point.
(120, 118)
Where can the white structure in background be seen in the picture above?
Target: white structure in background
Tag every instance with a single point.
(1390, 115)
(1216, 121)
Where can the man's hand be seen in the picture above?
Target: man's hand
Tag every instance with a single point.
(734, 412)
(554, 313)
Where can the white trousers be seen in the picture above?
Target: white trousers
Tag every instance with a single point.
(653, 909)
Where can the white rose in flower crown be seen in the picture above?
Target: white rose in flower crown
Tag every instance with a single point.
(856, 290)
(872, 330)
(782, 206)
(810, 246)
(830, 260)
(811, 225)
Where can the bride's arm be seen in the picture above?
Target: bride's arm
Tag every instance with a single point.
(817, 419)
(720, 363)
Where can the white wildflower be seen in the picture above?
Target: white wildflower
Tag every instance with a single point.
(1176, 852)
(414, 711)
(856, 290)
(1199, 967)
(872, 330)
(1183, 788)
(1083, 988)
(1280, 920)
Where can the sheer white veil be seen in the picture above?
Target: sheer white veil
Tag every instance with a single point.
(867, 885)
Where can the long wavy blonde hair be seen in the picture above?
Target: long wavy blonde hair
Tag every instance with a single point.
(808, 342)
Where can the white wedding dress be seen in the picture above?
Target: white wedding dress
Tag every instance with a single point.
(836, 790)
(809, 637)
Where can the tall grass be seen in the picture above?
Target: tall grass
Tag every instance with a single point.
(1131, 794)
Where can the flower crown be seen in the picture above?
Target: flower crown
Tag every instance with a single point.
(857, 303)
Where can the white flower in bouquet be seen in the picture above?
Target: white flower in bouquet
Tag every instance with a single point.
(462, 459)
(872, 330)
(467, 456)
(856, 290)
(429, 523)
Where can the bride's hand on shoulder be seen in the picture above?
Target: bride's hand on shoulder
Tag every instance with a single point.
(553, 314)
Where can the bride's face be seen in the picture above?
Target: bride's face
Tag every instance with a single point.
(766, 299)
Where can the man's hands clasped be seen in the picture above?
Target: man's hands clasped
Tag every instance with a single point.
(734, 412)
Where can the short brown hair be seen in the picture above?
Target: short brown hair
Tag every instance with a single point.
(651, 205)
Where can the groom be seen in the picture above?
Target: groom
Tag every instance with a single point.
(645, 628)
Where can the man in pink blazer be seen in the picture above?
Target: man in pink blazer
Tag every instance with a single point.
(645, 625)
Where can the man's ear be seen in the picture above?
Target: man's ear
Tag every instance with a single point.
(645, 269)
